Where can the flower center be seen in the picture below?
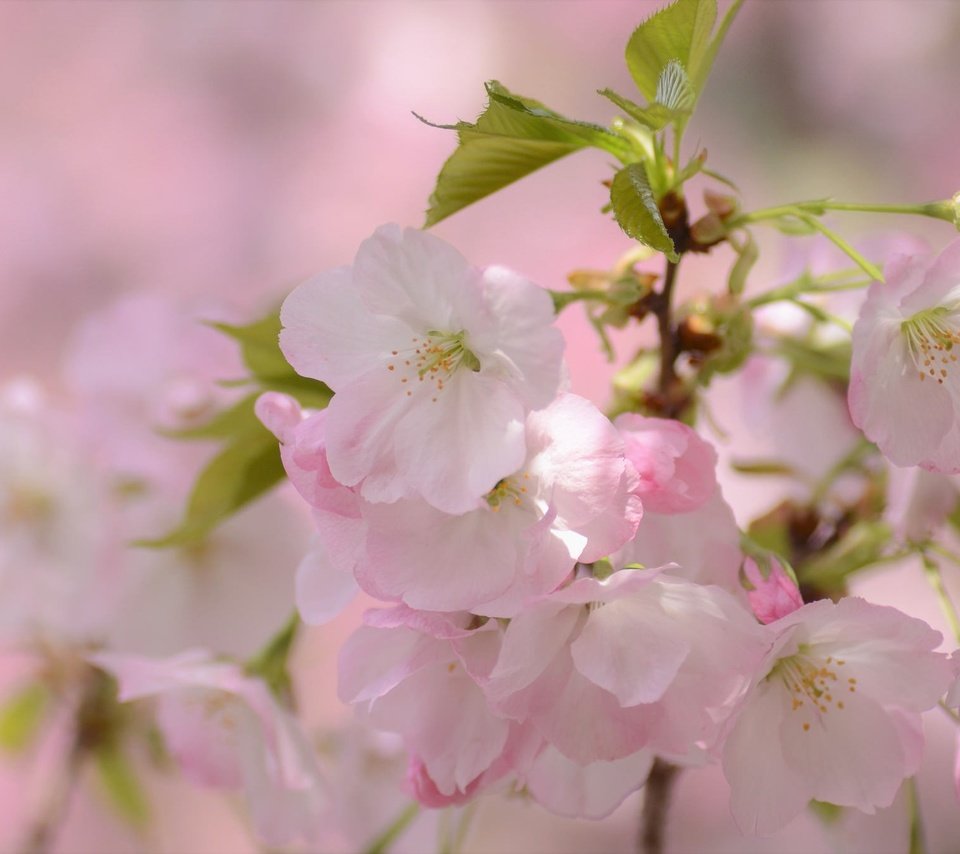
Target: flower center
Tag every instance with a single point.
(816, 686)
(506, 490)
(432, 360)
(931, 335)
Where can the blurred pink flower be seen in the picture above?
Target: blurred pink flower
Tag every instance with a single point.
(904, 382)
(226, 731)
(435, 365)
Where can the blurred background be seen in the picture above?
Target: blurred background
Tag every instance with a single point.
(222, 152)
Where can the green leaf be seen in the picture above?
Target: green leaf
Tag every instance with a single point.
(826, 361)
(636, 210)
(259, 345)
(513, 137)
(680, 31)
(236, 419)
(21, 716)
(656, 116)
(244, 469)
(121, 785)
(862, 545)
(827, 813)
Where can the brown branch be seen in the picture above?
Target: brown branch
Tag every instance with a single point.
(656, 805)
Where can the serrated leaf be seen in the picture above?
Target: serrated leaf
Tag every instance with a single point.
(122, 786)
(21, 716)
(243, 470)
(513, 137)
(655, 116)
(679, 32)
(636, 210)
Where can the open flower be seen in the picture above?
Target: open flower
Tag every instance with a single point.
(835, 713)
(435, 365)
(226, 731)
(904, 378)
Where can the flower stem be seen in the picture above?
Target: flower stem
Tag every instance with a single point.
(869, 268)
(934, 576)
(656, 805)
(382, 843)
(668, 344)
(937, 210)
(918, 843)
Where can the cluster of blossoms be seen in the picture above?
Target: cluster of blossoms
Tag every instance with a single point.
(563, 596)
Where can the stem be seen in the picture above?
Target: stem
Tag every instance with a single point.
(918, 844)
(804, 286)
(932, 571)
(656, 804)
(383, 842)
(870, 269)
(668, 344)
(937, 210)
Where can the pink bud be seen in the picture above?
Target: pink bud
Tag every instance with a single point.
(773, 597)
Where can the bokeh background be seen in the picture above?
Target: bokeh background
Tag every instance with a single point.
(222, 152)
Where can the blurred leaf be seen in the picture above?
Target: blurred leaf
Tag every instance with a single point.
(827, 813)
(237, 419)
(21, 716)
(862, 545)
(271, 664)
(244, 469)
(763, 467)
(513, 137)
(771, 532)
(121, 785)
(827, 361)
(636, 210)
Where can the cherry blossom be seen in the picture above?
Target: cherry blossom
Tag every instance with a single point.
(226, 731)
(904, 384)
(435, 365)
(834, 713)
(604, 669)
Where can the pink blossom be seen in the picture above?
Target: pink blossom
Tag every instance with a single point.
(702, 545)
(772, 597)
(417, 674)
(919, 502)
(904, 383)
(604, 669)
(571, 500)
(434, 364)
(226, 731)
(676, 466)
(834, 713)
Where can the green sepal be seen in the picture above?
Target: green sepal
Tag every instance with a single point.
(862, 545)
(21, 717)
(121, 785)
(826, 812)
(635, 209)
(513, 137)
(747, 254)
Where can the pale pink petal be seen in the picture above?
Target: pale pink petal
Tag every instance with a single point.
(330, 335)
(676, 466)
(470, 559)
(323, 589)
(632, 649)
(418, 278)
(585, 791)
(765, 792)
(849, 757)
(524, 335)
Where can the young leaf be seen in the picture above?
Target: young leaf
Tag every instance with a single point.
(656, 116)
(747, 255)
(679, 32)
(636, 210)
(513, 137)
